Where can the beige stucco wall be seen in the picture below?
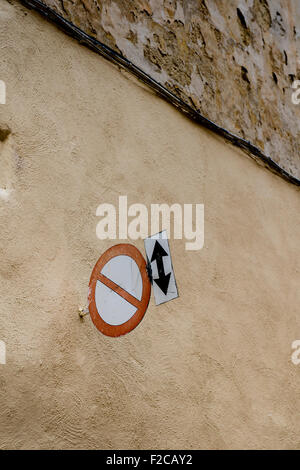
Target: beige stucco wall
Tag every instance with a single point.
(211, 369)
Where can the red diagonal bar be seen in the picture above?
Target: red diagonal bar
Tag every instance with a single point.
(119, 290)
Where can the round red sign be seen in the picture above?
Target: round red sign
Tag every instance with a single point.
(119, 290)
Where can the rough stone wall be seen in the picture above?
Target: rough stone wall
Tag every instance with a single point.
(234, 60)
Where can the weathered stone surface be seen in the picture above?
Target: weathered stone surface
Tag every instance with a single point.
(234, 60)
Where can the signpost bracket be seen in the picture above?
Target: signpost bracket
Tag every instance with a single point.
(149, 270)
(83, 311)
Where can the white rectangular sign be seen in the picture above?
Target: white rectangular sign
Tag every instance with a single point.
(161, 269)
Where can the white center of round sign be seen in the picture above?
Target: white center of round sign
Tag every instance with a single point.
(123, 271)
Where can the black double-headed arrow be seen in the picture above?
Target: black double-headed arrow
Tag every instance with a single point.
(163, 279)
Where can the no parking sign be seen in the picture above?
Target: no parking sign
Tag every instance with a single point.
(119, 290)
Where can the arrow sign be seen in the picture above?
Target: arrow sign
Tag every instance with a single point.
(160, 269)
(163, 279)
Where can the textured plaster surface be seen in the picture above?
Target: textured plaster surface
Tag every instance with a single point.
(234, 60)
(211, 369)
